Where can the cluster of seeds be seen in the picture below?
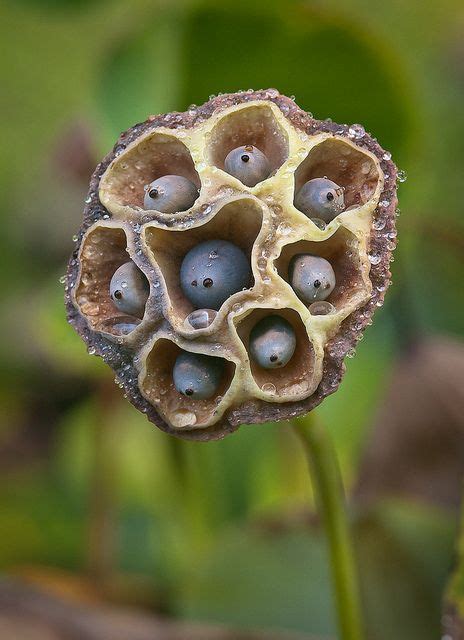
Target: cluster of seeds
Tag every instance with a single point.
(224, 266)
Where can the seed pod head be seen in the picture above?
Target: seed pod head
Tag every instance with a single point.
(170, 194)
(248, 164)
(198, 360)
(320, 198)
(212, 271)
(197, 376)
(272, 342)
(312, 277)
(129, 289)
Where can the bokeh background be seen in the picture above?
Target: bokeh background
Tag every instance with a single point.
(106, 522)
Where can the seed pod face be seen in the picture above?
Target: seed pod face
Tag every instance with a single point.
(272, 342)
(197, 376)
(170, 194)
(320, 198)
(312, 277)
(129, 289)
(218, 339)
(248, 164)
(212, 271)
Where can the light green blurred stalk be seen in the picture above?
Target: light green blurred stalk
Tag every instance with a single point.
(329, 494)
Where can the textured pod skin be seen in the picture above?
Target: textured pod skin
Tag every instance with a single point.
(263, 221)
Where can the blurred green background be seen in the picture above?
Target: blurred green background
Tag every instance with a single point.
(96, 503)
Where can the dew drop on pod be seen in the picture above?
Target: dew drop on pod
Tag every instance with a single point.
(211, 317)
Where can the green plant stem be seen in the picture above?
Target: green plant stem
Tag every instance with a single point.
(329, 494)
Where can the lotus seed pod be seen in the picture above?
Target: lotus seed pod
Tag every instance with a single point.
(272, 342)
(244, 249)
(129, 289)
(248, 164)
(320, 198)
(170, 194)
(212, 271)
(197, 376)
(312, 277)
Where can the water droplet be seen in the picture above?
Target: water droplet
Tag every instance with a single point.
(384, 203)
(91, 351)
(62, 280)
(365, 168)
(75, 238)
(351, 353)
(374, 258)
(200, 318)
(379, 224)
(387, 156)
(356, 131)
(284, 229)
(88, 200)
(402, 176)
(206, 208)
(322, 308)
(183, 418)
(268, 387)
(319, 223)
